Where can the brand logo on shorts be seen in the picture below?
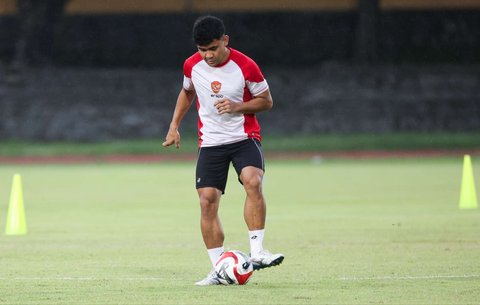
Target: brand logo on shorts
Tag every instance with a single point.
(216, 86)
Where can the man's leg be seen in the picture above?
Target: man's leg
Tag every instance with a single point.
(212, 230)
(255, 213)
(210, 181)
(255, 208)
(210, 224)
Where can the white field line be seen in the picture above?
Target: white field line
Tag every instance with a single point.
(86, 278)
(408, 278)
(133, 279)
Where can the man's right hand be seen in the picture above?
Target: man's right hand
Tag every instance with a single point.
(173, 137)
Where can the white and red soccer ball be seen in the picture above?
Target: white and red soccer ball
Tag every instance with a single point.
(234, 268)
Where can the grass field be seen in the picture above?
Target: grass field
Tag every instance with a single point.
(353, 232)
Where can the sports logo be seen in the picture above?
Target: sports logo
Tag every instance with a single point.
(216, 86)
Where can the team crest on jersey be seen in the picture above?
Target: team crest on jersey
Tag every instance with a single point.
(216, 86)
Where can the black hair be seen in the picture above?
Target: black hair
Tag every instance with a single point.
(206, 29)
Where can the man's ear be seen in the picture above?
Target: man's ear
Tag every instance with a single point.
(226, 39)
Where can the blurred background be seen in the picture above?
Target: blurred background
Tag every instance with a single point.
(103, 70)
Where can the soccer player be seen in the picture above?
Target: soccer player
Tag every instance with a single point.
(230, 89)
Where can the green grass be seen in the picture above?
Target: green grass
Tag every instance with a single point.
(353, 232)
(271, 143)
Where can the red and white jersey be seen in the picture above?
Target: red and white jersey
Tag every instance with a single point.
(238, 79)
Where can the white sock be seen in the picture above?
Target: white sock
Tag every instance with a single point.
(256, 241)
(215, 254)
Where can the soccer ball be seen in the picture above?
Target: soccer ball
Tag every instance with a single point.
(234, 268)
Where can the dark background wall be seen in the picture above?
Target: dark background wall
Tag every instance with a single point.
(118, 76)
(273, 39)
(101, 104)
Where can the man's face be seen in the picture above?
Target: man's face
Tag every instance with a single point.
(215, 53)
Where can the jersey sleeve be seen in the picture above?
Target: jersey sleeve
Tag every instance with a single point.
(254, 79)
(187, 83)
(187, 74)
(257, 88)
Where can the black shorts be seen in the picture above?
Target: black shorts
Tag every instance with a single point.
(213, 162)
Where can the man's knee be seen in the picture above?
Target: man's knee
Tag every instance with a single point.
(253, 182)
(209, 200)
(252, 178)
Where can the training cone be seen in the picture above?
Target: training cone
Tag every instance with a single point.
(468, 196)
(16, 224)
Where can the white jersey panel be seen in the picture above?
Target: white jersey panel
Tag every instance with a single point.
(212, 84)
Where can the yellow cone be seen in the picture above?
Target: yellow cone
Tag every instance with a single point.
(468, 196)
(16, 224)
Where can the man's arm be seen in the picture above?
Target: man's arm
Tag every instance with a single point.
(184, 101)
(261, 102)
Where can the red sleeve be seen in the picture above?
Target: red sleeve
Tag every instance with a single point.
(249, 67)
(189, 63)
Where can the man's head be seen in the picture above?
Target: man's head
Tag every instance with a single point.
(209, 36)
(207, 29)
